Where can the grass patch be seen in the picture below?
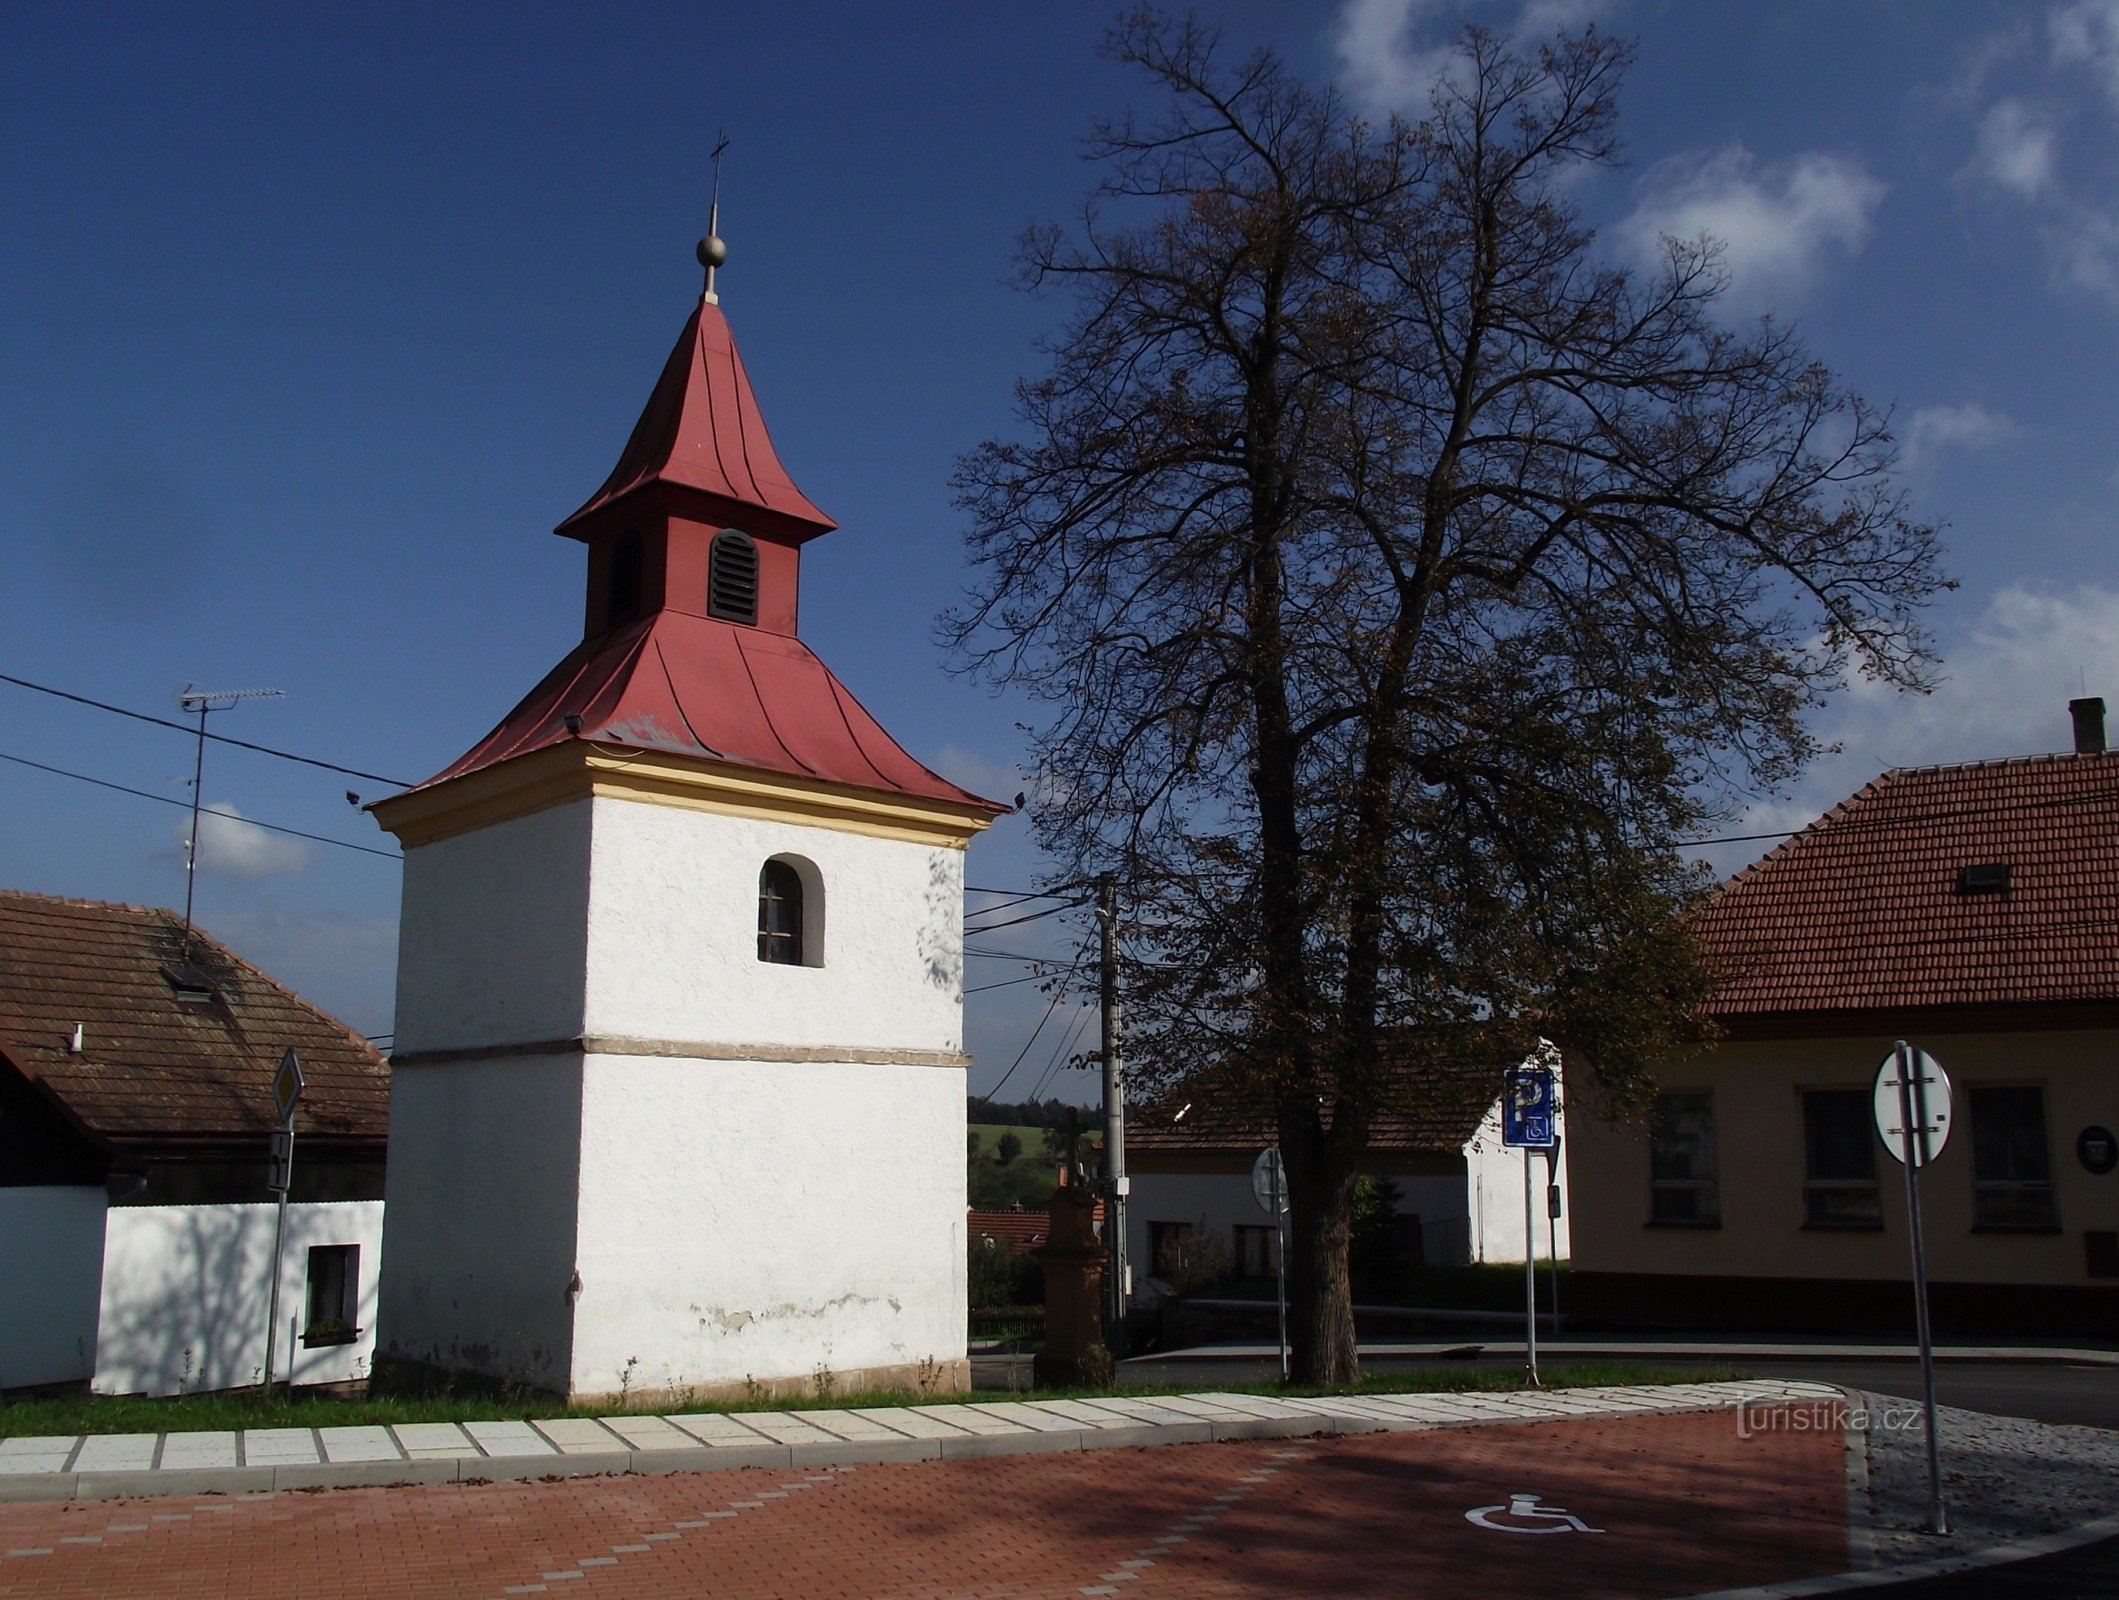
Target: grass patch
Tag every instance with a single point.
(77, 1413)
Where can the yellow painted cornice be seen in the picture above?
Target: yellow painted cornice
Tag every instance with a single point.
(582, 769)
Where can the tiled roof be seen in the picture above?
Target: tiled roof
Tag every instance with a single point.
(158, 1071)
(1017, 1232)
(1862, 909)
(1431, 1109)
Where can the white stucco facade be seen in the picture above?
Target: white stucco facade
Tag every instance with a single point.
(51, 1252)
(1494, 1195)
(185, 1292)
(674, 1166)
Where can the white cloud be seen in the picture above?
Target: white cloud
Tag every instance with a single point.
(2005, 692)
(2085, 247)
(1776, 223)
(230, 844)
(2017, 150)
(1385, 65)
(2086, 34)
(1935, 429)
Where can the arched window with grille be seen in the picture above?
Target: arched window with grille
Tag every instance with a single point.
(621, 593)
(732, 578)
(780, 914)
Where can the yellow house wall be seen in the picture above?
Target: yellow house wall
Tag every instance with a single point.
(1759, 1137)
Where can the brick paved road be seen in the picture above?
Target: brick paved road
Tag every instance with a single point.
(1685, 1505)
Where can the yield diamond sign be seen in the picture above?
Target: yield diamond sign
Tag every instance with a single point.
(287, 1086)
(1926, 1096)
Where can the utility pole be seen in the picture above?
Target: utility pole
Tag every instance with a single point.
(1115, 1184)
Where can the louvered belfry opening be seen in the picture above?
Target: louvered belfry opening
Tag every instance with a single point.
(732, 578)
(622, 592)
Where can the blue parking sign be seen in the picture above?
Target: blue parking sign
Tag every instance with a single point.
(1527, 1107)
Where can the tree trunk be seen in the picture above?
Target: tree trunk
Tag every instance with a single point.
(1321, 1345)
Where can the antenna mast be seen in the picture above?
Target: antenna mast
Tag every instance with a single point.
(192, 698)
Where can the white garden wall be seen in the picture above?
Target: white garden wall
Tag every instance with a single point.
(1496, 1194)
(51, 1259)
(185, 1288)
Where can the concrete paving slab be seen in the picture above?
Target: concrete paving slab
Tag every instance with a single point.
(719, 1431)
(274, 1447)
(509, 1439)
(1012, 1444)
(785, 1427)
(651, 1433)
(913, 1422)
(197, 1451)
(428, 1441)
(851, 1425)
(359, 1444)
(971, 1419)
(116, 1452)
(1087, 1415)
(36, 1453)
(1017, 1415)
(579, 1436)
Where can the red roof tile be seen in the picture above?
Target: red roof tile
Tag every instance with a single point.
(158, 1071)
(1862, 910)
(1431, 1109)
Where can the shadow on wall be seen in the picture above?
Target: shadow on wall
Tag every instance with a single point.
(51, 1259)
(185, 1292)
(941, 943)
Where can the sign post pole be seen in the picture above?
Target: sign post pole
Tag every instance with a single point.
(1527, 1124)
(286, 1094)
(1918, 1102)
(1269, 1187)
(1530, 1276)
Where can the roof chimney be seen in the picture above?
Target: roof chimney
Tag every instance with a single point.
(2089, 725)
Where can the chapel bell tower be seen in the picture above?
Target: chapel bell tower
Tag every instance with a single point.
(678, 1099)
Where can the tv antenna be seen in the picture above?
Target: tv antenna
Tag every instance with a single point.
(191, 698)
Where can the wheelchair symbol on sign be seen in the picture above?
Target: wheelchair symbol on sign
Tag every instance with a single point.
(1523, 1514)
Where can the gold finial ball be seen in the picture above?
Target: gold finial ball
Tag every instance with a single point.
(712, 252)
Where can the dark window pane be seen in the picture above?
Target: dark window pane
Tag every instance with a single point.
(2012, 1171)
(1684, 1176)
(622, 593)
(1839, 1160)
(780, 914)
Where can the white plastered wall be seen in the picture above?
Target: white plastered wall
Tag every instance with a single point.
(51, 1258)
(484, 1166)
(673, 923)
(1494, 1176)
(492, 937)
(767, 1220)
(185, 1292)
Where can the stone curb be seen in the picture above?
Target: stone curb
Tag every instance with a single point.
(1205, 1418)
(1997, 1555)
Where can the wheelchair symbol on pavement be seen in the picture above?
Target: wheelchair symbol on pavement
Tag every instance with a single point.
(1523, 1514)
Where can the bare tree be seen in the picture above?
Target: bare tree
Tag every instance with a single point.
(1406, 581)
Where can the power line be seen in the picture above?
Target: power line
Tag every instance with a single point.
(1059, 1054)
(166, 800)
(218, 738)
(1058, 994)
(1027, 894)
(1004, 983)
(1035, 916)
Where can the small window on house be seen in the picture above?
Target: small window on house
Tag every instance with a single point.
(1839, 1160)
(732, 578)
(1169, 1247)
(621, 594)
(1684, 1174)
(1257, 1250)
(334, 1294)
(188, 983)
(780, 914)
(2012, 1168)
(1989, 877)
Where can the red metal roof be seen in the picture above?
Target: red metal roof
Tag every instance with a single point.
(702, 431)
(1862, 910)
(699, 687)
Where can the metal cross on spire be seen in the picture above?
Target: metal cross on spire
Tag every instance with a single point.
(712, 252)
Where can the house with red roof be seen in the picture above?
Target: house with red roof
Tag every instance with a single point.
(1970, 910)
(136, 1116)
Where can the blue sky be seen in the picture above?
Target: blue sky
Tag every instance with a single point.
(313, 322)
